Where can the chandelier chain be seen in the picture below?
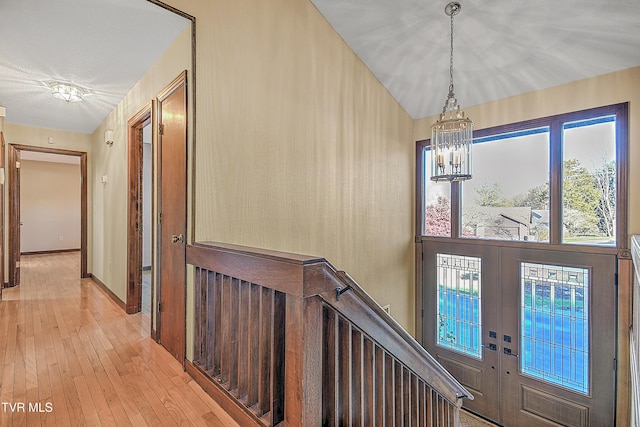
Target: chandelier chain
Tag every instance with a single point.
(451, 95)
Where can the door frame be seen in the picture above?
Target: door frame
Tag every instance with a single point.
(14, 207)
(135, 143)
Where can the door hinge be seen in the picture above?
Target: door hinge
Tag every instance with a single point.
(615, 279)
(615, 364)
(17, 264)
(159, 307)
(422, 313)
(160, 218)
(161, 129)
(17, 165)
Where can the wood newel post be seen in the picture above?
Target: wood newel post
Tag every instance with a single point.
(303, 362)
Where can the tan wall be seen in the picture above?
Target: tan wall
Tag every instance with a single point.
(49, 206)
(110, 209)
(35, 136)
(299, 147)
(613, 88)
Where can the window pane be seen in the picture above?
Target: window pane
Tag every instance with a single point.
(589, 182)
(508, 197)
(437, 203)
(459, 304)
(554, 323)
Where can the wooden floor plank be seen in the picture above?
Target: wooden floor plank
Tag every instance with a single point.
(74, 356)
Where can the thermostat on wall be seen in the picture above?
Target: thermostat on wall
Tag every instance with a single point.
(103, 179)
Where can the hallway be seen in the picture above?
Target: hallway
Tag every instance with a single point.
(69, 356)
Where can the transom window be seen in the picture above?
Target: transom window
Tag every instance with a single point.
(552, 180)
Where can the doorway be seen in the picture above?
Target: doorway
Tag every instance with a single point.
(140, 228)
(530, 332)
(14, 247)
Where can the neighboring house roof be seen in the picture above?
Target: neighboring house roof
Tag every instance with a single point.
(490, 215)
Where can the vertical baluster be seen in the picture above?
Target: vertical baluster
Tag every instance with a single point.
(368, 383)
(278, 358)
(356, 377)
(414, 400)
(422, 420)
(266, 318)
(254, 344)
(234, 312)
(217, 325)
(379, 386)
(330, 362)
(199, 320)
(210, 316)
(406, 397)
(243, 340)
(390, 388)
(226, 331)
(432, 408)
(203, 311)
(344, 372)
(398, 393)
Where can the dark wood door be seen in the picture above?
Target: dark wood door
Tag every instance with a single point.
(458, 329)
(530, 332)
(558, 369)
(172, 108)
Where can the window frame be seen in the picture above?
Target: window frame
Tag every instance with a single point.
(555, 124)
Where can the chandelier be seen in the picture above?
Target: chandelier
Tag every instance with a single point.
(66, 91)
(452, 133)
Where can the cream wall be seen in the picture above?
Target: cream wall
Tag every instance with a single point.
(49, 206)
(299, 147)
(39, 137)
(109, 206)
(613, 88)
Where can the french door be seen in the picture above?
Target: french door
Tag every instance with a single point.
(530, 332)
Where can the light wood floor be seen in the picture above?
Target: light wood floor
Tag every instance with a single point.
(72, 357)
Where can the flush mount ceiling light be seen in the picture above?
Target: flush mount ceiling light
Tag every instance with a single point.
(67, 91)
(452, 133)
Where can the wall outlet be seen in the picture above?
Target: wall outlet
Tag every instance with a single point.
(387, 308)
(60, 237)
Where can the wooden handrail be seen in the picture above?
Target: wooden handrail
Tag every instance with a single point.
(292, 341)
(393, 336)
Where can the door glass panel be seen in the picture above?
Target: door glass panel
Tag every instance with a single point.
(554, 324)
(508, 197)
(459, 325)
(589, 181)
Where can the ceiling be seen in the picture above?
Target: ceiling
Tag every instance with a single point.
(501, 49)
(104, 46)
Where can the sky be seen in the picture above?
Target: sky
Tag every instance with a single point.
(522, 162)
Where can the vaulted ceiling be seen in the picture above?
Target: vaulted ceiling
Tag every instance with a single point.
(501, 49)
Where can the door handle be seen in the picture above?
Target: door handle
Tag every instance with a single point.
(177, 239)
(492, 347)
(508, 352)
